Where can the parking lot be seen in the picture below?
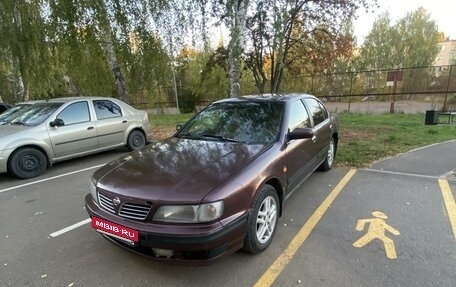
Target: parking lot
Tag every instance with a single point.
(393, 224)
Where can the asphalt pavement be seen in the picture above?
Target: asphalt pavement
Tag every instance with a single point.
(393, 224)
(433, 160)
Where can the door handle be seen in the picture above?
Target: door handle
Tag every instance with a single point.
(314, 139)
(90, 128)
(124, 121)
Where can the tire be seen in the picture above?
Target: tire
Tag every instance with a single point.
(329, 160)
(136, 140)
(27, 163)
(262, 221)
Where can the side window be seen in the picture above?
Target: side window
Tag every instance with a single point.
(318, 112)
(299, 118)
(106, 109)
(75, 113)
(325, 112)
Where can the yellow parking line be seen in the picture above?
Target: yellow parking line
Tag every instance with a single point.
(450, 205)
(276, 268)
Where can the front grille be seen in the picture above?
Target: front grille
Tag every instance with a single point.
(106, 203)
(127, 210)
(134, 211)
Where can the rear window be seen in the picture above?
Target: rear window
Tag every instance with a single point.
(106, 109)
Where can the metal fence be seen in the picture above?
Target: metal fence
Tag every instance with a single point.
(405, 90)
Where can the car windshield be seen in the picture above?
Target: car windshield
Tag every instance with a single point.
(13, 113)
(246, 122)
(36, 114)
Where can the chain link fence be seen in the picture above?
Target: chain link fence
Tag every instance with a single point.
(405, 90)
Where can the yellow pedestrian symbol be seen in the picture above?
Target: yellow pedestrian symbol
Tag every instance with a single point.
(377, 230)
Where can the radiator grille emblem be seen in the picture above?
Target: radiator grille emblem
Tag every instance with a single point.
(116, 201)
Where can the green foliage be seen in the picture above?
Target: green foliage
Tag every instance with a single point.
(54, 48)
(24, 52)
(411, 42)
(51, 48)
(204, 72)
(297, 37)
(187, 101)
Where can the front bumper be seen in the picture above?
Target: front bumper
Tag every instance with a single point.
(196, 245)
(4, 154)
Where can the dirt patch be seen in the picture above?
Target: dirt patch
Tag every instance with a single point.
(160, 133)
(348, 134)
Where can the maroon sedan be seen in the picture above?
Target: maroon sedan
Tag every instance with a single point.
(218, 184)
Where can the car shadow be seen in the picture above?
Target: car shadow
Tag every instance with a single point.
(67, 166)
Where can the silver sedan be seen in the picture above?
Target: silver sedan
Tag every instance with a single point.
(64, 128)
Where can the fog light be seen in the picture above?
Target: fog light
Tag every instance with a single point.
(163, 252)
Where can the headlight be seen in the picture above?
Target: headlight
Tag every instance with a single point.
(93, 190)
(189, 213)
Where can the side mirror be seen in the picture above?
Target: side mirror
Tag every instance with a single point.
(301, 133)
(57, 123)
(178, 127)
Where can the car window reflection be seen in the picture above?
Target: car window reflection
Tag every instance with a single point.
(299, 118)
(75, 113)
(36, 114)
(106, 109)
(319, 115)
(253, 122)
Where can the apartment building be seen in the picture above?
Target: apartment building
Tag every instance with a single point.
(447, 53)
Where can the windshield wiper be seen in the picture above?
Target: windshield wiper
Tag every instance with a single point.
(222, 138)
(187, 136)
(18, 123)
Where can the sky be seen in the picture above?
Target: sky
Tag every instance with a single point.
(443, 12)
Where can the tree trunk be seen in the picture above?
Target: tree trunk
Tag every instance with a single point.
(235, 47)
(20, 65)
(114, 65)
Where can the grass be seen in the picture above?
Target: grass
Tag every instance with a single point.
(164, 126)
(363, 138)
(366, 138)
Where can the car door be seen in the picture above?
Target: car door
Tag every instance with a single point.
(111, 124)
(300, 152)
(76, 134)
(322, 127)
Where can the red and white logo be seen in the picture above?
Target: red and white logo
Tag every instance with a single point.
(115, 229)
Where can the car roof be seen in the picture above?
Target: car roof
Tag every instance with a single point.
(30, 102)
(69, 99)
(268, 98)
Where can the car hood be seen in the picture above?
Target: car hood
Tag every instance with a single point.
(175, 170)
(6, 130)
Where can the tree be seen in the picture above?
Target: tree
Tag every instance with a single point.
(117, 39)
(24, 53)
(412, 42)
(233, 13)
(282, 31)
(108, 43)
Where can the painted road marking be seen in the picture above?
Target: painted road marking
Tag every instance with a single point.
(279, 264)
(450, 204)
(401, 173)
(49, 178)
(377, 228)
(69, 228)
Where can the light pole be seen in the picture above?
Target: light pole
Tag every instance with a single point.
(175, 87)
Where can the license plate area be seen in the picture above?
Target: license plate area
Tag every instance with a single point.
(127, 241)
(117, 231)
